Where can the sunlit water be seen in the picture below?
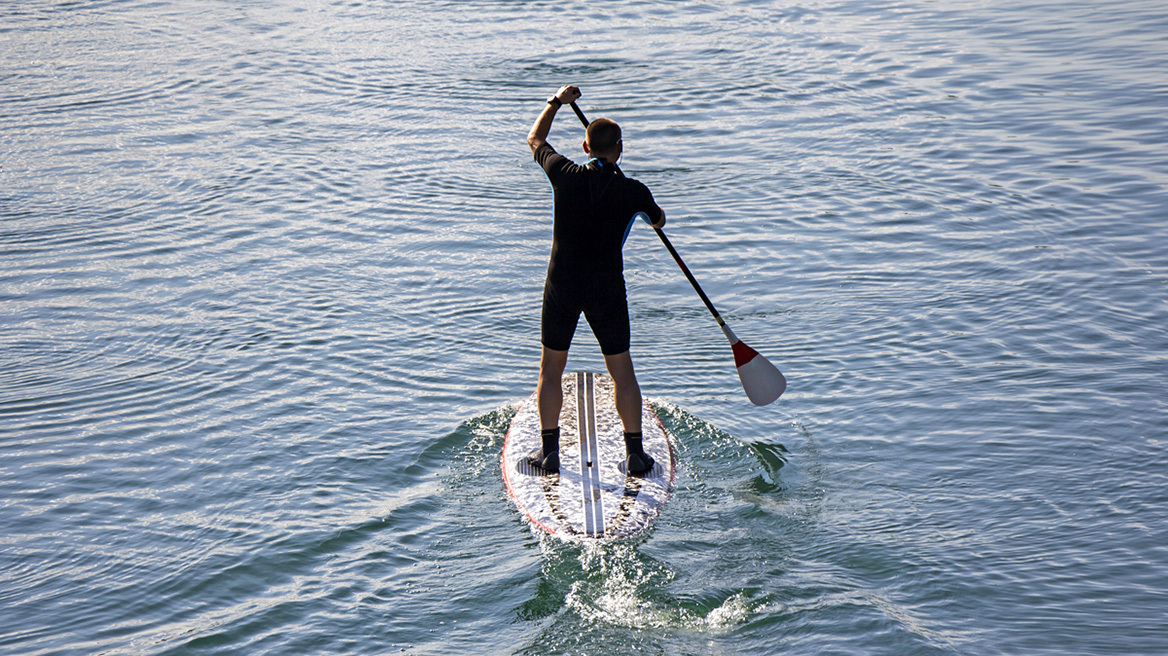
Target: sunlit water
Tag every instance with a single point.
(269, 295)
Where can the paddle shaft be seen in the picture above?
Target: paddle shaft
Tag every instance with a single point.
(672, 251)
(761, 380)
(689, 276)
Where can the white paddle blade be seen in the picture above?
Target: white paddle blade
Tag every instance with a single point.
(762, 381)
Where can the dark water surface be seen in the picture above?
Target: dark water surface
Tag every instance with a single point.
(269, 293)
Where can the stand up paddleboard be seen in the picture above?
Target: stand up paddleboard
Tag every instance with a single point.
(592, 497)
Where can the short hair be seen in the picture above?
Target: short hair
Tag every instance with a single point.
(603, 135)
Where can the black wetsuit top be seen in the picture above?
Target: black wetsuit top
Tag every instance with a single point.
(594, 207)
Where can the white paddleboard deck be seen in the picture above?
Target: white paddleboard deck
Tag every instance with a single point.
(591, 497)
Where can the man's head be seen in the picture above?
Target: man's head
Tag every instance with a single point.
(603, 140)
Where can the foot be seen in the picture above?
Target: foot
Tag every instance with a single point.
(639, 464)
(549, 462)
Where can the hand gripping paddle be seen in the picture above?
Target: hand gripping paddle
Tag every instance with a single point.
(762, 381)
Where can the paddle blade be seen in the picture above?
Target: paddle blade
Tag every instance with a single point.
(762, 381)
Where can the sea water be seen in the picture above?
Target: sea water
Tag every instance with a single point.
(270, 275)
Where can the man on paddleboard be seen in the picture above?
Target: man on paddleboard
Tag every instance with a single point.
(595, 206)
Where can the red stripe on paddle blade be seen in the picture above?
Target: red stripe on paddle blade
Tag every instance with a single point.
(742, 353)
(761, 380)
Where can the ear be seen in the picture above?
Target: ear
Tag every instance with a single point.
(587, 150)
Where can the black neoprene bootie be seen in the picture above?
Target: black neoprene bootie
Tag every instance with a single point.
(547, 457)
(637, 463)
(549, 462)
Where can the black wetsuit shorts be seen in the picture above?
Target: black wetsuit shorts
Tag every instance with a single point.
(604, 306)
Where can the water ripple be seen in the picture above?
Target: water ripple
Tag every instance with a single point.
(269, 287)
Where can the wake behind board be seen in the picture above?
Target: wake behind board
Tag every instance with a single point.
(591, 497)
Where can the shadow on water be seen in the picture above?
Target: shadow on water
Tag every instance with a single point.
(772, 457)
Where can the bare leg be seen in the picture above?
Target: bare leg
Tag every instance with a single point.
(627, 391)
(550, 393)
(628, 406)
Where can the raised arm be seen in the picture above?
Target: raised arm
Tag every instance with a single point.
(539, 131)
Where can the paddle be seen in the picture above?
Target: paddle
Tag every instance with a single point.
(762, 381)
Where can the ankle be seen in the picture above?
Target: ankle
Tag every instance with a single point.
(550, 439)
(633, 442)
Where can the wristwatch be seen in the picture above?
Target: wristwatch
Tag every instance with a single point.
(555, 101)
